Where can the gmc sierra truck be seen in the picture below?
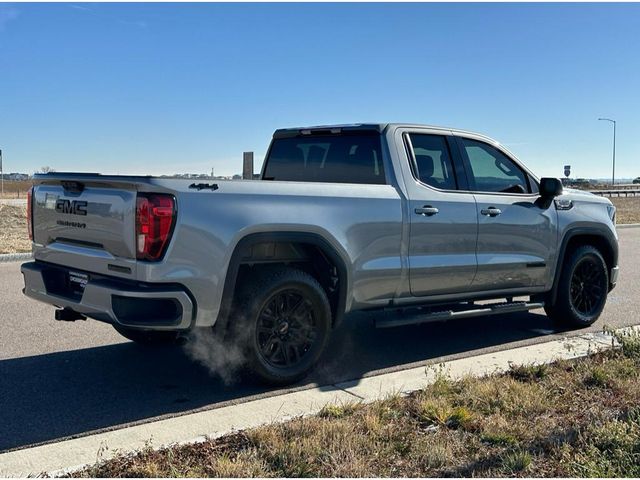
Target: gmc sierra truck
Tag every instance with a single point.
(436, 222)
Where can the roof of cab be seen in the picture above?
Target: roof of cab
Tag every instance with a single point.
(355, 127)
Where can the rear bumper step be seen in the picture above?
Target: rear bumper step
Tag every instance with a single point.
(147, 306)
(464, 312)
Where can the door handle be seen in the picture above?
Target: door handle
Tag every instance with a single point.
(426, 211)
(491, 211)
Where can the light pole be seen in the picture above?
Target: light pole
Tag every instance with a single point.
(1, 175)
(613, 175)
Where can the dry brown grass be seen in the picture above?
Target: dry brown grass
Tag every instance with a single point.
(578, 418)
(628, 209)
(14, 189)
(13, 230)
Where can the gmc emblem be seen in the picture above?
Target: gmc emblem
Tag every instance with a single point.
(75, 207)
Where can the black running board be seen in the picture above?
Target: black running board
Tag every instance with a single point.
(472, 311)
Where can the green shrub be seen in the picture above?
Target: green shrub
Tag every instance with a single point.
(528, 373)
(516, 461)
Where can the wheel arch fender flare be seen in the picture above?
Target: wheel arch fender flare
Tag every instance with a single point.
(334, 253)
(603, 234)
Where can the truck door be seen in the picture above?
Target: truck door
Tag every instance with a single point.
(516, 235)
(443, 220)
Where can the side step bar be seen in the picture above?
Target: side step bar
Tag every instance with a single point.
(470, 311)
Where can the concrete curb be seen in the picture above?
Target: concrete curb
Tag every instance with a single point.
(14, 257)
(72, 454)
(627, 225)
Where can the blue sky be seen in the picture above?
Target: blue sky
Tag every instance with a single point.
(165, 88)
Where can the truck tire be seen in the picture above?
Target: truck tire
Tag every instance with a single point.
(283, 323)
(582, 289)
(147, 337)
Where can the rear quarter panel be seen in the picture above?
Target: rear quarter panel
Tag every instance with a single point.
(363, 223)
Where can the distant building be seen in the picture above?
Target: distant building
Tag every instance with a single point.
(16, 177)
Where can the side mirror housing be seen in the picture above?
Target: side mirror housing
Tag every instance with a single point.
(550, 187)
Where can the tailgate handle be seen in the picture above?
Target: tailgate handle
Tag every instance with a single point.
(72, 186)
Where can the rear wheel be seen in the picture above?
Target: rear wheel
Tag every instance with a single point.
(582, 289)
(284, 323)
(147, 337)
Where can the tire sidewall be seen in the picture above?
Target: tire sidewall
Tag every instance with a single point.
(322, 318)
(578, 318)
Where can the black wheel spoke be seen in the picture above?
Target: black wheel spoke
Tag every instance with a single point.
(587, 289)
(300, 309)
(285, 353)
(286, 329)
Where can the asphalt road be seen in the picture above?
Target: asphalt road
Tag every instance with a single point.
(62, 379)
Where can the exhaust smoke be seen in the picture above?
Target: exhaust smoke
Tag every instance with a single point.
(224, 359)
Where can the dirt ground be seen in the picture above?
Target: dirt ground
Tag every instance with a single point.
(13, 230)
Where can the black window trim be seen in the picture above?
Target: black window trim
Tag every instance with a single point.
(467, 168)
(413, 166)
(384, 161)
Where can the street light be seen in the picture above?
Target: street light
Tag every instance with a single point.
(1, 175)
(613, 175)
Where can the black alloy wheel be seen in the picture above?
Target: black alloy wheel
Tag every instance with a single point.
(588, 287)
(582, 288)
(286, 328)
(283, 323)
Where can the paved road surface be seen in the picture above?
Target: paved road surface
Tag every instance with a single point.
(65, 379)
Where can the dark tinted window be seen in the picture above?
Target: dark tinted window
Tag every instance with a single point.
(491, 170)
(326, 158)
(433, 164)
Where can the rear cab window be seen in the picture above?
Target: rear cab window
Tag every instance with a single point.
(330, 158)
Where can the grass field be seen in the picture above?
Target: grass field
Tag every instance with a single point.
(574, 418)
(628, 209)
(13, 230)
(15, 189)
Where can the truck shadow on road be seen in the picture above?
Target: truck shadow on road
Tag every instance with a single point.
(69, 393)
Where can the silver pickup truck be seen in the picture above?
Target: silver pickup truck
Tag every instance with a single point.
(421, 219)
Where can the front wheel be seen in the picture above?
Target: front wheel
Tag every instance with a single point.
(582, 289)
(284, 322)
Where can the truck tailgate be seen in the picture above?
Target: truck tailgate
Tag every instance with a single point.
(77, 223)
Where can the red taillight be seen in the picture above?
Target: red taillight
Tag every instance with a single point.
(30, 213)
(155, 214)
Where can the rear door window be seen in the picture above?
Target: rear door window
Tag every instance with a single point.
(352, 158)
(432, 161)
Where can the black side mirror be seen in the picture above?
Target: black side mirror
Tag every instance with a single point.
(550, 187)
